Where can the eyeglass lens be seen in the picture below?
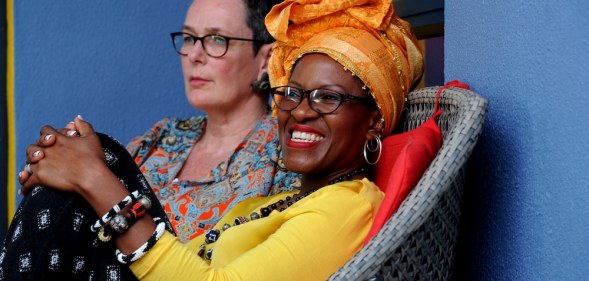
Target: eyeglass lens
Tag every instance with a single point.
(320, 100)
(213, 45)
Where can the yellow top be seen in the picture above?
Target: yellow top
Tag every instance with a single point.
(308, 241)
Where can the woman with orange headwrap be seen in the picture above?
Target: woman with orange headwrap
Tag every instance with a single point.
(340, 71)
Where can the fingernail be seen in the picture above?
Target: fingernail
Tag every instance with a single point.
(72, 133)
(36, 153)
(79, 117)
(20, 174)
(20, 191)
(71, 122)
(48, 137)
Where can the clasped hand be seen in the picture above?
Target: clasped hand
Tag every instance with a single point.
(66, 159)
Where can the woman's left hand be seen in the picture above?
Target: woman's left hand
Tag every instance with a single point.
(68, 163)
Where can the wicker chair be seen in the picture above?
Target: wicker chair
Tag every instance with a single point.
(418, 241)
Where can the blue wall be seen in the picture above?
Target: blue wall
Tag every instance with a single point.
(110, 61)
(527, 210)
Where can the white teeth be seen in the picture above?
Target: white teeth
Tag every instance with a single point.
(305, 137)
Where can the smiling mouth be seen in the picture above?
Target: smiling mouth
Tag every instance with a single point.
(297, 136)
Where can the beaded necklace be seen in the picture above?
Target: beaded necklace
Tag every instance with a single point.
(212, 235)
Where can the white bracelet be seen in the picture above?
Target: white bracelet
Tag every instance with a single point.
(114, 211)
(157, 234)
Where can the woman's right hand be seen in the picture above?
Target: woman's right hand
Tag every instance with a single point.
(64, 162)
(34, 156)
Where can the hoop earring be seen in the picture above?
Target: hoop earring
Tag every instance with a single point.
(373, 147)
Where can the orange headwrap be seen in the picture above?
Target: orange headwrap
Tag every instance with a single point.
(365, 36)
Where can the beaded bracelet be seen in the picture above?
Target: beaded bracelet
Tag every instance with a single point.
(136, 212)
(121, 223)
(114, 211)
(157, 234)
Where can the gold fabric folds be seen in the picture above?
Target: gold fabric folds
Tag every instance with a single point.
(366, 37)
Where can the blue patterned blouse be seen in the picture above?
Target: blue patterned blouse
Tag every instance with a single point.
(195, 206)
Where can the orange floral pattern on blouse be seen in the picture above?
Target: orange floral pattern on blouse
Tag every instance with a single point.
(195, 206)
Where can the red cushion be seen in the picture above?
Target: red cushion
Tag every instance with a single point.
(405, 157)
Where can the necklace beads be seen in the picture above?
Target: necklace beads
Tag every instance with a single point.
(349, 175)
(212, 235)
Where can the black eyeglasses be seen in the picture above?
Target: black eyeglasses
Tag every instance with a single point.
(322, 101)
(215, 45)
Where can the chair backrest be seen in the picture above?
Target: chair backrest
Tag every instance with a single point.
(418, 241)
